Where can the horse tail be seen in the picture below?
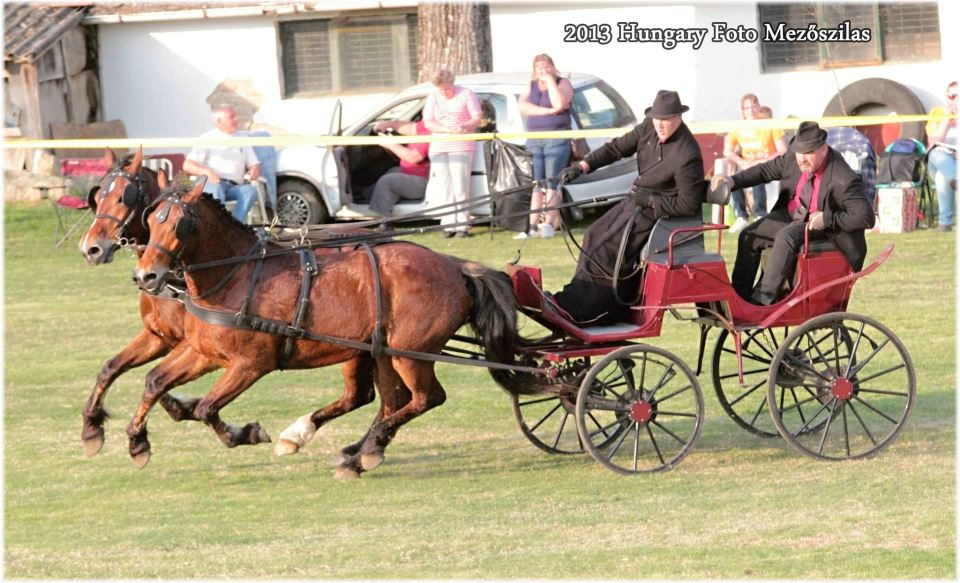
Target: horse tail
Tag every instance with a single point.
(493, 317)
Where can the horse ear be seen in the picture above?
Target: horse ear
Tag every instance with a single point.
(162, 181)
(109, 158)
(194, 194)
(137, 161)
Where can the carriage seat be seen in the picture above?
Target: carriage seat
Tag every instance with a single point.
(687, 247)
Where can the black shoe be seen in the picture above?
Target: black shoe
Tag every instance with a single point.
(462, 234)
(448, 234)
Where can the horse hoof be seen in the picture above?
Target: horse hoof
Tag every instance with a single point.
(261, 435)
(285, 447)
(140, 460)
(345, 473)
(91, 447)
(370, 461)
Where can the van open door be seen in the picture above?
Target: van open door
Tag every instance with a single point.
(336, 173)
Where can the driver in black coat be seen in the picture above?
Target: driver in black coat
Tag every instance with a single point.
(819, 192)
(669, 184)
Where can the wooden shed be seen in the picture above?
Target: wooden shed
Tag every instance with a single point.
(50, 71)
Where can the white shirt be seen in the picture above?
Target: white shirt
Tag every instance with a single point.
(230, 163)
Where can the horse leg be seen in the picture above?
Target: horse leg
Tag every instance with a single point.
(238, 378)
(426, 393)
(181, 366)
(358, 390)
(142, 349)
(393, 395)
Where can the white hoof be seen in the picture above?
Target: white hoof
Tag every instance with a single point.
(346, 474)
(370, 461)
(299, 434)
(285, 447)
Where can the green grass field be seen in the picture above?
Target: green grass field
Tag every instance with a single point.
(462, 494)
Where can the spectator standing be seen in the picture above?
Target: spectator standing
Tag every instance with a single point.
(943, 137)
(545, 105)
(747, 148)
(858, 153)
(225, 166)
(452, 109)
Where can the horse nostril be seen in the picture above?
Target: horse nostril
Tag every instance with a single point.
(94, 251)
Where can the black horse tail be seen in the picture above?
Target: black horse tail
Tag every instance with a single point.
(493, 317)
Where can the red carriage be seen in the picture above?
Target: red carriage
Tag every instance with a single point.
(835, 385)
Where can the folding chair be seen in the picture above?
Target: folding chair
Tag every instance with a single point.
(83, 173)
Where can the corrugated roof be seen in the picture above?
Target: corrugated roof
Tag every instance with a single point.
(29, 29)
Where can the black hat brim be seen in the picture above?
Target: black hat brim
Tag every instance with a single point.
(650, 113)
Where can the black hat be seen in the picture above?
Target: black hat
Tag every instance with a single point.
(666, 104)
(809, 137)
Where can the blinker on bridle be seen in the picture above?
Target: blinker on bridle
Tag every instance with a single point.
(133, 194)
(184, 227)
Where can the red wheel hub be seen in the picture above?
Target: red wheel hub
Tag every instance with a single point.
(842, 389)
(641, 411)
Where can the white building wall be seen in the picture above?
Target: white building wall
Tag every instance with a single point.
(711, 79)
(156, 75)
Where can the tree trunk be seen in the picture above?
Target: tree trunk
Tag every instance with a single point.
(455, 35)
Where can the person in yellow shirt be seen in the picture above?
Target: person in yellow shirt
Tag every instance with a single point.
(942, 138)
(749, 147)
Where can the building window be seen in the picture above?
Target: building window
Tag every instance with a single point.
(900, 33)
(326, 56)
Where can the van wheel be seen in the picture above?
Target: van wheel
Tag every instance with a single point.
(298, 204)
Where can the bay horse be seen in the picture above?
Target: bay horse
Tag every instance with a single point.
(118, 201)
(425, 297)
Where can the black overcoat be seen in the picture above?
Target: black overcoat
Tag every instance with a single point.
(672, 174)
(842, 198)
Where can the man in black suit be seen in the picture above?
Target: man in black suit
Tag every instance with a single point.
(669, 184)
(819, 192)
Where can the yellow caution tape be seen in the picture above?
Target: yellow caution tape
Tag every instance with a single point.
(705, 127)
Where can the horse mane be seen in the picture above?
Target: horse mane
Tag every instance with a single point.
(181, 188)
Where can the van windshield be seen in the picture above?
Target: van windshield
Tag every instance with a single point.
(599, 106)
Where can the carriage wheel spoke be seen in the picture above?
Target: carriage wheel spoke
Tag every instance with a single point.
(636, 446)
(853, 351)
(627, 375)
(656, 447)
(747, 354)
(668, 432)
(676, 414)
(673, 394)
(875, 410)
(597, 423)
(862, 424)
(799, 409)
(664, 379)
(745, 373)
(803, 402)
(884, 392)
(836, 347)
(620, 441)
(826, 428)
(747, 392)
(823, 358)
(563, 424)
(870, 356)
(535, 401)
(798, 365)
(881, 373)
(806, 426)
(756, 415)
(545, 417)
(846, 432)
(604, 429)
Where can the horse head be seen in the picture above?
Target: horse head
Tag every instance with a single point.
(171, 219)
(118, 199)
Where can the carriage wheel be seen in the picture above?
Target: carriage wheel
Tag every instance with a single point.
(746, 405)
(853, 383)
(651, 399)
(545, 421)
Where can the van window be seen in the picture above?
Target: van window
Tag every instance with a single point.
(599, 106)
(494, 107)
(405, 111)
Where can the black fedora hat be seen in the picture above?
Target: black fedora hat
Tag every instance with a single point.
(666, 104)
(809, 137)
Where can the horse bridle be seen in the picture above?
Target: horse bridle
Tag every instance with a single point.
(184, 227)
(133, 194)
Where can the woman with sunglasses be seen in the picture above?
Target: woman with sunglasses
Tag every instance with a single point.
(942, 137)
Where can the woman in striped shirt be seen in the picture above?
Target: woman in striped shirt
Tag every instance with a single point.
(452, 109)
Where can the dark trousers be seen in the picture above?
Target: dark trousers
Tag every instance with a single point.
(776, 230)
(590, 296)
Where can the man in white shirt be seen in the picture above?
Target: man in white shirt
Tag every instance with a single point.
(225, 166)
